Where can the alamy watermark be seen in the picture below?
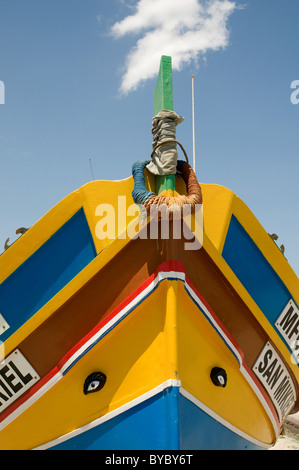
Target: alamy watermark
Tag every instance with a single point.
(161, 222)
(295, 352)
(2, 92)
(295, 94)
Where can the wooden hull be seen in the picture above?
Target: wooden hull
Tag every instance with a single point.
(156, 320)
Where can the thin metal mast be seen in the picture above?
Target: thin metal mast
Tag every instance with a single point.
(91, 169)
(193, 124)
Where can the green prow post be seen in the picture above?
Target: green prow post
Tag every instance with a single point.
(163, 100)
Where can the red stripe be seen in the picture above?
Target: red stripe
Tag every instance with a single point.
(240, 351)
(170, 265)
(106, 320)
(166, 266)
(73, 351)
(28, 394)
(215, 318)
(263, 392)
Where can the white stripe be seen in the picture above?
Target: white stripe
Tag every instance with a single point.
(143, 398)
(112, 414)
(262, 400)
(213, 321)
(171, 274)
(162, 275)
(23, 407)
(242, 369)
(80, 351)
(110, 324)
(222, 421)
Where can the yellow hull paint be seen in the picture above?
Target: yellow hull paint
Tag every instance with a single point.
(200, 348)
(165, 337)
(220, 204)
(107, 192)
(135, 358)
(160, 340)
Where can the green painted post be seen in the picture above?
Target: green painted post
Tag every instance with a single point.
(163, 100)
(163, 96)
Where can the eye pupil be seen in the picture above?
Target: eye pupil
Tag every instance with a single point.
(94, 382)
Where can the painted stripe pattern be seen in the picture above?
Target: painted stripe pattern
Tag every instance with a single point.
(170, 270)
(258, 277)
(143, 398)
(43, 274)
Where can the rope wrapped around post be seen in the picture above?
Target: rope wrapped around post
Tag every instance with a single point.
(164, 155)
(147, 199)
(164, 161)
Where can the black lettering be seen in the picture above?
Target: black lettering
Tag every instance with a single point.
(2, 396)
(9, 379)
(25, 379)
(277, 374)
(286, 396)
(5, 389)
(294, 330)
(270, 370)
(281, 388)
(288, 320)
(287, 405)
(267, 357)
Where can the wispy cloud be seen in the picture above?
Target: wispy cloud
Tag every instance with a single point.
(183, 29)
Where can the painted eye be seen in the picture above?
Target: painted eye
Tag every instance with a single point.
(94, 382)
(93, 385)
(219, 377)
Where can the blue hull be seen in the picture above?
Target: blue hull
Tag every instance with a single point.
(167, 421)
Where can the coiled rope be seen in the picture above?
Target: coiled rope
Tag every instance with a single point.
(140, 194)
(147, 199)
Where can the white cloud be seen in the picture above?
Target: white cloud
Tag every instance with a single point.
(183, 29)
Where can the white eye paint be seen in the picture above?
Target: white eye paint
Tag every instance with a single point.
(94, 383)
(93, 386)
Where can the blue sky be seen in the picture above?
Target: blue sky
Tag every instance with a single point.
(73, 92)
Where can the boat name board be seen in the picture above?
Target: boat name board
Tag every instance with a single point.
(3, 324)
(273, 374)
(16, 377)
(288, 326)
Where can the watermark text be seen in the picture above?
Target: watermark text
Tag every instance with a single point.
(2, 92)
(161, 222)
(295, 94)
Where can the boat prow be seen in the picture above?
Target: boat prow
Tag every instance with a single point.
(122, 330)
